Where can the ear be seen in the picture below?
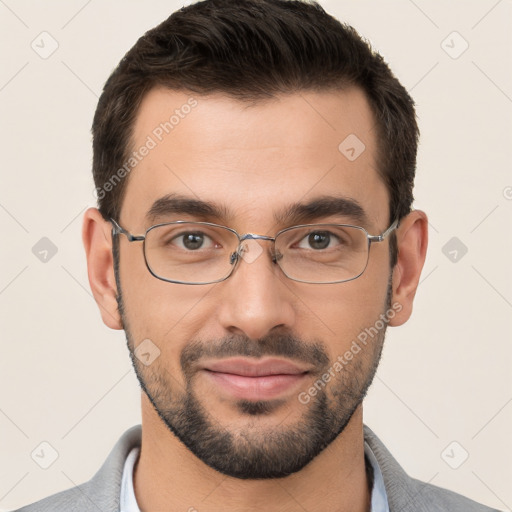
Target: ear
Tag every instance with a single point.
(412, 239)
(97, 239)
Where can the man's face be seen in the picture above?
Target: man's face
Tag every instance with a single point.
(254, 162)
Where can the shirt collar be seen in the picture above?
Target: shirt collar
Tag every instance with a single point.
(379, 495)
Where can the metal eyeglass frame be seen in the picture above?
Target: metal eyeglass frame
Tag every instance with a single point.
(235, 257)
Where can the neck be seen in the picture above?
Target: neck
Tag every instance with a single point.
(170, 477)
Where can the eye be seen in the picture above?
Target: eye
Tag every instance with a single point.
(192, 241)
(319, 240)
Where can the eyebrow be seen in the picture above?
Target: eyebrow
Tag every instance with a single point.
(324, 206)
(175, 203)
(296, 213)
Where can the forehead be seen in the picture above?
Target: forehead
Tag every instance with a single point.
(254, 160)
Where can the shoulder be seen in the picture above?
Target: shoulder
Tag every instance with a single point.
(102, 492)
(408, 494)
(70, 500)
(436, 499)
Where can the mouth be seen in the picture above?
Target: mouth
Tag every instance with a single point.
(254, 380)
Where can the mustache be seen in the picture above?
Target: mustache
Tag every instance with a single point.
(276, 344)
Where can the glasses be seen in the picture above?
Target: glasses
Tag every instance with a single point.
(204, 253)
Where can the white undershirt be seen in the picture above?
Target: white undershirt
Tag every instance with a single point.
(129, 502)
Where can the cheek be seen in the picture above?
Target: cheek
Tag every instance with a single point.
(152, 305)
(154, 309)
(342, 311)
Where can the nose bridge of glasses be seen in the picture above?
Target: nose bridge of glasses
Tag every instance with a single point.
(252, 236)
(243, 247)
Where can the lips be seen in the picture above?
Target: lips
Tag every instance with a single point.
(254, 380)
(249, 368)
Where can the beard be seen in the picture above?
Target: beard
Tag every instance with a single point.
(253, 451)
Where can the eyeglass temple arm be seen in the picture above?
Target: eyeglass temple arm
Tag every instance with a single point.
(118, 230)
(381, 237)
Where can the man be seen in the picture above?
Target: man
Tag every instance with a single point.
(254, 164)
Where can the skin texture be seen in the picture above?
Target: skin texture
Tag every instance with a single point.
(255, 160)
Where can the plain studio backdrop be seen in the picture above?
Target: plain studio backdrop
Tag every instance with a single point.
(442, 398)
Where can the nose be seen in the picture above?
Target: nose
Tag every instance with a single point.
(256, 299)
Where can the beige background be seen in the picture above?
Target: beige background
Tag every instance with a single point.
(66, 379)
